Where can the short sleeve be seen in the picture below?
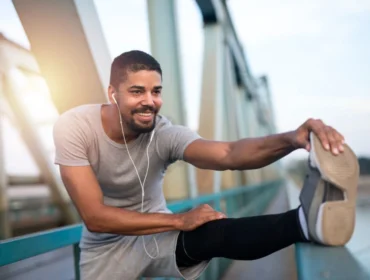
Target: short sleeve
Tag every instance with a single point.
(71, 141)
(172, 141)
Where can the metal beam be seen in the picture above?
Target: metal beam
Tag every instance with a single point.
(273, 171)
(265, 88)
(165, 48)
(25, 180)
(5, 225)
(179, 181)
(68, 43)
(216, 11)
(230, 121)
(248, 106)
(212, 102)
(18, 60)
(34, 143)
(241, 107)
(230, 98)
(211, 11)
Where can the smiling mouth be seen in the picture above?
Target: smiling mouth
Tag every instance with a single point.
(145, 117)
(148, 114)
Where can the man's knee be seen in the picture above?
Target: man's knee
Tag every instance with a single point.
(205, 241)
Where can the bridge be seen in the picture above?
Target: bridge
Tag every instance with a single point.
(69, 65)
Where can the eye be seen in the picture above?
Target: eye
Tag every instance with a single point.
(157, 92)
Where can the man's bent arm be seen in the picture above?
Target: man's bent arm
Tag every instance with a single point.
(86, 194)
(249, 153)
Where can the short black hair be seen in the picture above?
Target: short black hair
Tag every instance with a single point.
(133, 61)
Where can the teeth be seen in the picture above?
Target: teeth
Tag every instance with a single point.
(145, 114)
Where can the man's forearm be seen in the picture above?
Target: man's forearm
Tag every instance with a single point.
(253, 153)
(121, 221)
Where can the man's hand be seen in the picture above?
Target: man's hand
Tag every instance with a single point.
(330, 138)
(198, 216)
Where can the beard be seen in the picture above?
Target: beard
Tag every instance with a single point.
(142, 127)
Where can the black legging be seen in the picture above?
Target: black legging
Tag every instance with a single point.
(239, 239)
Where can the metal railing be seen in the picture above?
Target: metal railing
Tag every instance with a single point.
(320, 262)
(235, 202)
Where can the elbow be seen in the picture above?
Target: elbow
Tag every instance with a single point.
(230, 163)
(93, 222)
(232, 159)
(233, 167)
(93, 226)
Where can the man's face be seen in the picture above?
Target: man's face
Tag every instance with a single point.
(139, 99)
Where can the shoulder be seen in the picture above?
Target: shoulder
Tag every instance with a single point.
(82, 111)
(77, 120)
(79, 115)
(172, 140)
(162, 123)
(165, 126)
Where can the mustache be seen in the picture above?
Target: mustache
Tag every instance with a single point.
(145, 109)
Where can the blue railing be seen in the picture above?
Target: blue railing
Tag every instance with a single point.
(236, 202)
(319, 262)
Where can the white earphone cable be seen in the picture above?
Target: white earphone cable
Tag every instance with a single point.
(137, 173)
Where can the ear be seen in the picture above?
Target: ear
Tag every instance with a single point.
(111, 91)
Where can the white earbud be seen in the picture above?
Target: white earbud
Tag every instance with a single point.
(137, 173)
(115, 101)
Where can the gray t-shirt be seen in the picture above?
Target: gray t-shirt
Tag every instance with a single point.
(80, 140)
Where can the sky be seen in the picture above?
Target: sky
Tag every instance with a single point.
(315, 53)
(317, 57)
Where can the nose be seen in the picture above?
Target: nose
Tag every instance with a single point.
(148, 99)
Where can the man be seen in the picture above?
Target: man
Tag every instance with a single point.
(112, 161)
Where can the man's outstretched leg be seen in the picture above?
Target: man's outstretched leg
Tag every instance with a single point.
(246, 238)
(326, 216)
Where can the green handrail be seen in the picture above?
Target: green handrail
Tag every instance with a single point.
(235, 202)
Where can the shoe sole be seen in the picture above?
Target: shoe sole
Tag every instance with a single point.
(342, 171)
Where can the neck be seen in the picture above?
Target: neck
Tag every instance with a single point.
(112, 127)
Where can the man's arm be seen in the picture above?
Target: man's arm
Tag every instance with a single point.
(249, 153)
(86, 194)
(255, 153)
